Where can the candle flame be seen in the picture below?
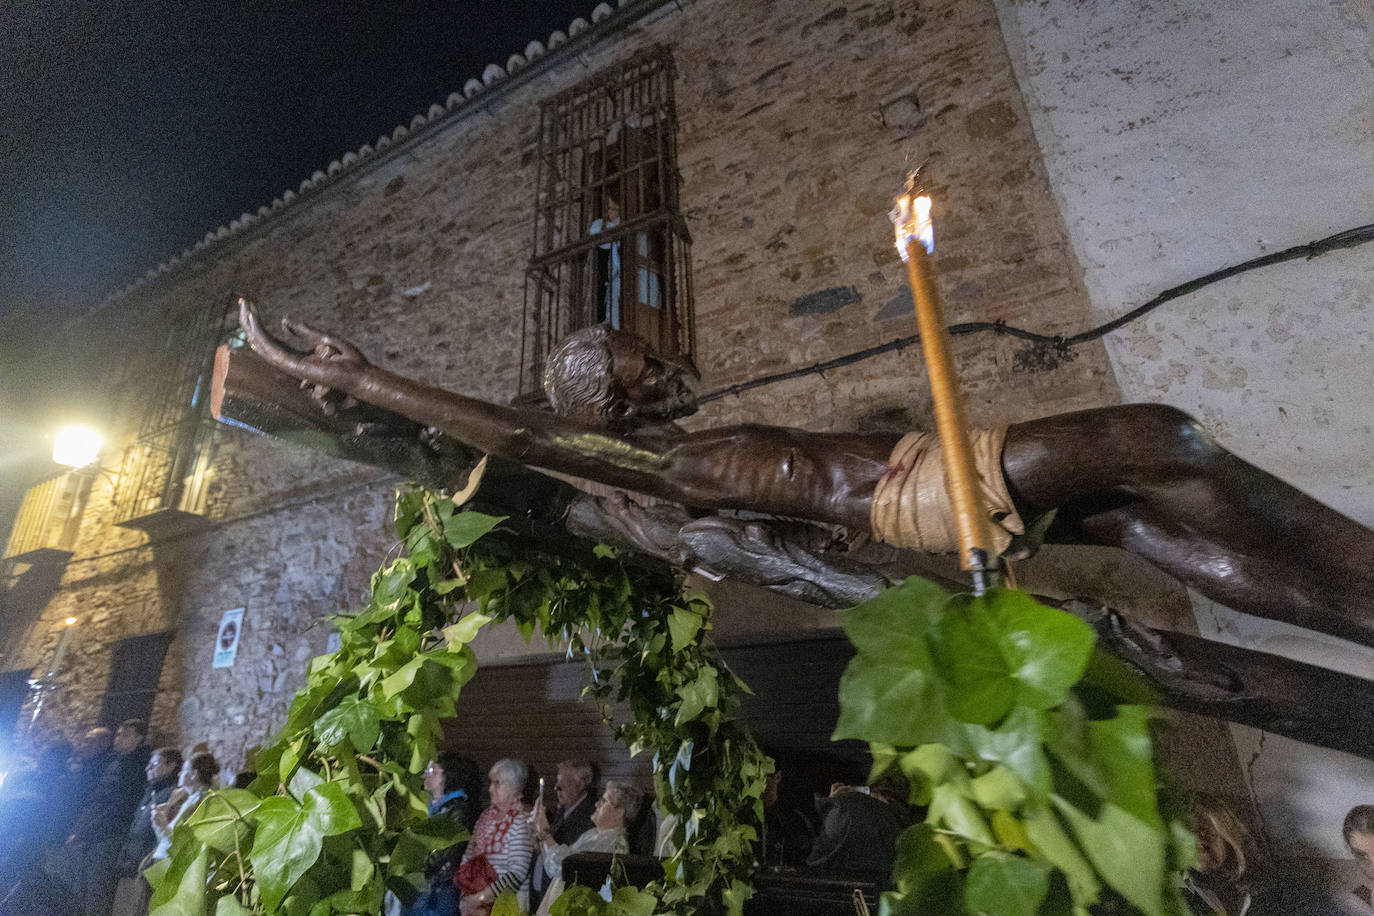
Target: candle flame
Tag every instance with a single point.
(911, 218)
(71, 621)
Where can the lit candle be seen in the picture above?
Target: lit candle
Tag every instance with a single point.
(915, 240)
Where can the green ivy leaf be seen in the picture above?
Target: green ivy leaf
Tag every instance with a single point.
(933, 762)
(465, 630)
(290, 836)
(701, 694)
(918, 858)
(181, 890)
(927, 882)
(464, 528)
(444, 586)
(1005, 884)
(891, 703)
(1048, 649)
(483, 582)
(389, 585)
(1003, 648)
(357, 721)
(224, 819)
(631, 901)
(1128, 853)
(1123, 745)
(302, 781)
(361, 870)
(982, 689)
(956, 812)
(228, 906)
(409, 506)
(683, 626)
(507, 904)
(578, 900)
(1045, 831)
(1016, 743)
(998, 788)
(423, 547)
(891, 625)
(401, 678)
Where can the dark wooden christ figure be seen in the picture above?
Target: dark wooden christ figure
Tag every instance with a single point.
(1142, 477)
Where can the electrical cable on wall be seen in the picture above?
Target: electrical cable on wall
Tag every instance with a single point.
(1060, 344)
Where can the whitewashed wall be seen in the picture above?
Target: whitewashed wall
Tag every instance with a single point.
(1182, 137)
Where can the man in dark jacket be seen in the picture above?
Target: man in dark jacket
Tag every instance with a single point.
(161, 772)
(100, 827)
(576, 802)
(859, 831)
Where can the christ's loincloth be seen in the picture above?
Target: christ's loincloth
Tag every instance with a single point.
(911, 505)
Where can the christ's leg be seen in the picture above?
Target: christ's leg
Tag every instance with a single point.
(1149, 479)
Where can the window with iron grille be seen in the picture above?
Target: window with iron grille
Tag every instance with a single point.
(610, 243)
(165, 471)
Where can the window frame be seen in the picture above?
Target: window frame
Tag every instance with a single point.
(609, 241)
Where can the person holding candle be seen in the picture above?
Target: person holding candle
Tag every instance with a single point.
(575, 788)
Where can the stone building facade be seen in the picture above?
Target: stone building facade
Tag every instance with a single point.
(796, 124)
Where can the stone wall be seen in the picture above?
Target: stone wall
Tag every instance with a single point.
(1181, 138)
(797, 124)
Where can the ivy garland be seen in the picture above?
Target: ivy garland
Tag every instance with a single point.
(1038, 779)
(1019, 739)
(338, 815)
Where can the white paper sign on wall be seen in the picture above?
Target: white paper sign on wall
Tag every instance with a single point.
(227, 640)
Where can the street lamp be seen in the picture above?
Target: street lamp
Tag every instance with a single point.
(76, 446)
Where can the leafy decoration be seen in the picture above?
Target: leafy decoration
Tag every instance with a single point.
(1039, 784)
(337, 816)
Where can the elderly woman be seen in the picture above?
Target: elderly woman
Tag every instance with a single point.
(617, 809)
(498, 856)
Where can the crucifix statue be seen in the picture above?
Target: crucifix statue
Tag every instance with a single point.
(1144, 478)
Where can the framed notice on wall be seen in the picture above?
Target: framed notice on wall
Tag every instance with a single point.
(227, 640)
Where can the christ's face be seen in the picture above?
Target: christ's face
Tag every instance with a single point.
(657, 388)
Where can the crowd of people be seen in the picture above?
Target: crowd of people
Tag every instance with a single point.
(80, 823)
(515, 847)
(521, 848)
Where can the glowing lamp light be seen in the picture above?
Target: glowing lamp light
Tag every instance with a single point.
(76, 446)
(71, 621)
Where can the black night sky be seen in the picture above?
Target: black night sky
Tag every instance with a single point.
(129, 129)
